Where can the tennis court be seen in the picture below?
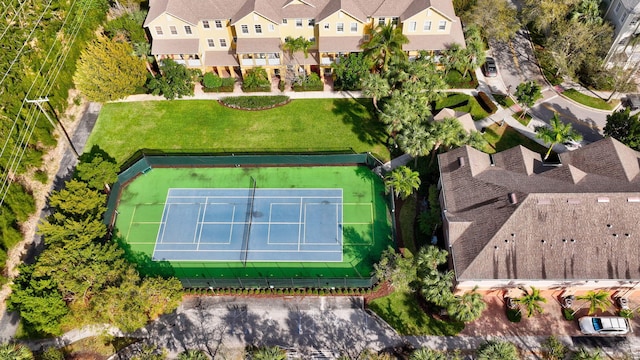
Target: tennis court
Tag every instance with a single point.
(251, 225)
(210, 222)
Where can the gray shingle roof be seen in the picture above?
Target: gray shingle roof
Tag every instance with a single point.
(577, 221)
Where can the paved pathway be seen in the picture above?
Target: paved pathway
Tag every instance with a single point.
(225, 325)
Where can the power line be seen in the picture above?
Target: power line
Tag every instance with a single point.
(18, 11)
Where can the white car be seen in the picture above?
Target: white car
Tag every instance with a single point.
(604, 325)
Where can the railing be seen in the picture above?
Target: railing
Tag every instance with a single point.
(195, 62)
(274, 62)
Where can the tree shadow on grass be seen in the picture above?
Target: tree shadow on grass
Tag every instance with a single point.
(360, 115)
(145, 265)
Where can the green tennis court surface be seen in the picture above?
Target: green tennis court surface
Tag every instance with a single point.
(356, 227)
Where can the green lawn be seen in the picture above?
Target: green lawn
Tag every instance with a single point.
(501, 138)
(591, 101)
(402, 311)
(204, 125)
(461, 102)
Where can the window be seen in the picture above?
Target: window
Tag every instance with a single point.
(412, 26)
(394, 20)
(272, 27)
(312, 39)
(258, 29)
(354, 27)
(427, 26)
(327, 26)
(340, 27)
(187, 29)
(211, 43)
(205, 24)
(298, 23)
(442, 25)
(381, 21)
(223, 42)
(312, 22)
(624, 16)
(284, 21)
(173, 29)
(245, 29)
(218, 24)
(618, 7)
(159, 30)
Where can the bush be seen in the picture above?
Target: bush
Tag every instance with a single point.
(486, 102)
(514, 315)
(41, 176)
(255, 80)
(568, 314)
(308, 83)
(226, 85)
(211, 80)
(554, 349)
(254, 102)
(626, 313)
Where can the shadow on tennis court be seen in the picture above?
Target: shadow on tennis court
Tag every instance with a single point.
(144, 263)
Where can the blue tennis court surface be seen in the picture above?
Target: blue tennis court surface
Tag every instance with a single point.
(231, 225)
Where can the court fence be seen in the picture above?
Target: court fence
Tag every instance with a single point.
(146, 160)
(279, 283)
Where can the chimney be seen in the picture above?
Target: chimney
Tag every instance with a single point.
(461, 161)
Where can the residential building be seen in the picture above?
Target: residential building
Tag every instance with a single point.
(229, 37)
(624, 15)
(511, 220)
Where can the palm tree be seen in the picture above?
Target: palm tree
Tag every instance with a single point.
(143, 51)
(192, 355)
(467, 307)
(453, 58)
(403, 180)
(292, 46)
(15, 352)
(558, 133)
(502, 350)
(415, 141)
(376, 87)
(384, 43)
(527, 94)
(531, 301)
(436, 287)
(269, 353)
(598, 300)
(429, 258)
(475, 49)
(427, 354)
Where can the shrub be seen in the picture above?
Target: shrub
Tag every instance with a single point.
(211, 80)
(254, 102)
(486, 102)
(41, 176)
(514, 315)
(626, 313)
(256, 79)
(308, 83)
(554, 349)
(568, 314)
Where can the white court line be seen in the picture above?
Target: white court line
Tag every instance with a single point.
(233, 216)
(204, 213)
(300, 227)
(131, 221)
(146, 222)
(262, 251)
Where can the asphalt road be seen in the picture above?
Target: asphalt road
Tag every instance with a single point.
(517, 64)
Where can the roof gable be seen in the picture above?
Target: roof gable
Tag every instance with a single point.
(349, 7)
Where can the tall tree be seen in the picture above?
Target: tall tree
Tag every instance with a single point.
(385, 42)
(527, 94)
(475, 53)
(415, 140)
(98, 173)
(531, 301)
(435, 287)
(467, 307)
(294, 45)
(544, 14)
(108, 71)
(597, 300)
(588, 12)
(400, 271)
(350, 70)
(624, 127)
(453, 58)
(497, 18)
(502, 350)
(557, 133)
(376, 87)
(403, 181)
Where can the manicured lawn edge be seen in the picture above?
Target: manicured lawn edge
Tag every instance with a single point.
(589, 101)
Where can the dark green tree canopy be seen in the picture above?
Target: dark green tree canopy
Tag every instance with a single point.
(624, 127)
(174, 80)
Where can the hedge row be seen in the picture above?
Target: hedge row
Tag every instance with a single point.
(280, 291)
(254, 102)
(486, 103)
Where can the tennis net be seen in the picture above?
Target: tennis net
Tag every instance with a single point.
(247, 227)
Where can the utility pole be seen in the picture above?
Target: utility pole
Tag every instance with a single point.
(38, 103)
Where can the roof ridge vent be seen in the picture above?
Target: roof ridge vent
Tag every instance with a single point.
(513, 198)
(633, 199)
(462, 161)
